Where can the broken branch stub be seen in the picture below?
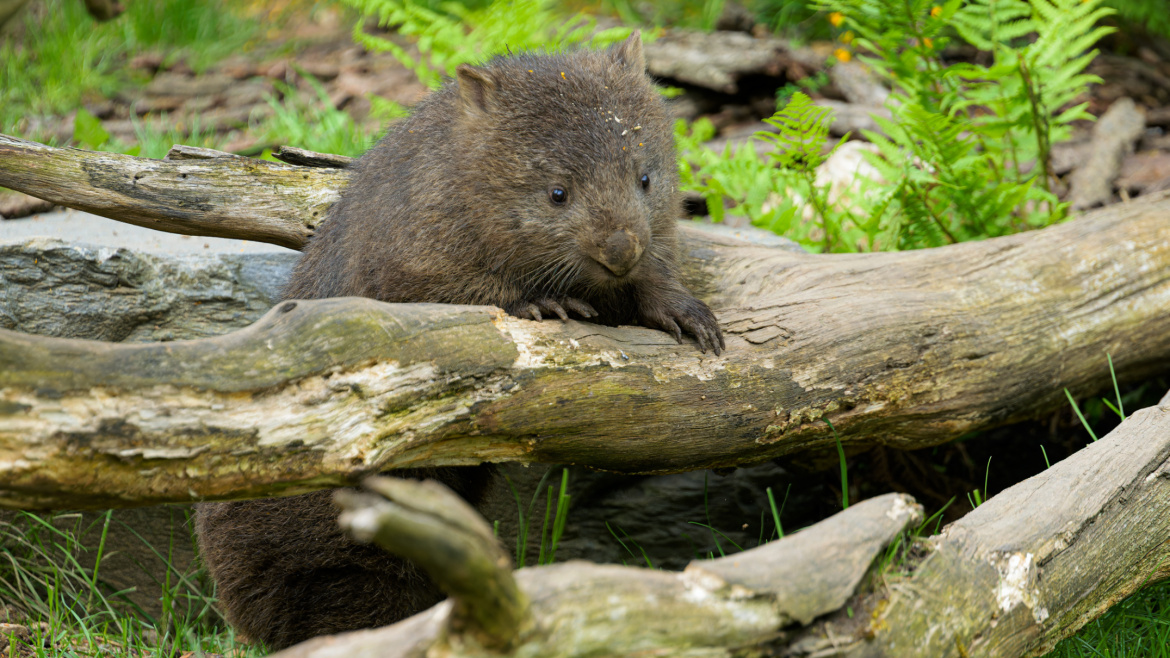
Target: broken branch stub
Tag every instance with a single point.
(436, 529)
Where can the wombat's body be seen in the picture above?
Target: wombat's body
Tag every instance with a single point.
(542, 184)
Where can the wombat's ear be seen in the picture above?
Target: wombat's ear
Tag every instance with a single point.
(477, 87)
(629, 52)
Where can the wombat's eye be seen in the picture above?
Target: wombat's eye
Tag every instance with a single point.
(645, 181)
(558, 195)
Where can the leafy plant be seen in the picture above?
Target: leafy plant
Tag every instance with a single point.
(457, 34)
(967, 151)
(315, 124)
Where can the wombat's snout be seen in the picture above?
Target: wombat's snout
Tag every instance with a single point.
(620, 252)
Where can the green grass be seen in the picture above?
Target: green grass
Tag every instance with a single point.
(314, 124)
(72, 612)
(1138, 627)
(66, 58)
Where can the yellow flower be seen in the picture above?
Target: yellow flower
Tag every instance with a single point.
(843, 55)
(836, 18)
(929, 43)
(847, 38)
(935, 11)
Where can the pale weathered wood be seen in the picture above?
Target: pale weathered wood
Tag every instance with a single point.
(433, 527)
(54, 288)
(227, 197)
(1038, 561)
(1025, 569)
(907, 349)
(713, 608)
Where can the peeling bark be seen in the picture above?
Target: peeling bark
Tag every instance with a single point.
(1037, 562)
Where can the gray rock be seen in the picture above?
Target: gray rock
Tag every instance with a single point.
(52, 288)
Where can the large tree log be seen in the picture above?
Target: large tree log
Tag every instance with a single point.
(909, 349)
(1027, 568)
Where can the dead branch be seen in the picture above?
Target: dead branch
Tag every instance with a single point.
(432, 526)
(200, 194)
(1035, 563)
(1024, 570)
(711, 609)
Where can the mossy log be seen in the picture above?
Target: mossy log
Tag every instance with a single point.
(1022, 571)
(907, 349)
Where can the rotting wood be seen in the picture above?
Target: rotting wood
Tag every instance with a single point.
(1026, 569)
(1033, 564)
(714, 608)
(906, 349)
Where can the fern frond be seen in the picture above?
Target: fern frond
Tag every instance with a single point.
(803, 132)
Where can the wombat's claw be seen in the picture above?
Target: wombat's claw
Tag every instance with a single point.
(693, 318)
(537, 309)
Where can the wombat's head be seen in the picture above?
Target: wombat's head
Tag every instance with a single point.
(572, 156)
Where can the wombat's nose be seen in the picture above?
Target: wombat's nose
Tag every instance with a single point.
(621, 252)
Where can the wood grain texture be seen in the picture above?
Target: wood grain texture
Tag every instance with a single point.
(906, 349)
(1036, 562)
(227, 197)
(719, 608)
(1027, 568)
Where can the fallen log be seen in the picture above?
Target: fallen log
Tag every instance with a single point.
(1032, 565)
(584, 609)
(905, 349)
(226, 197)
(1024, 570)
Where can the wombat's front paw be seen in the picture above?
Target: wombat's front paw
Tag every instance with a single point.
(691, 315)
(537, 309)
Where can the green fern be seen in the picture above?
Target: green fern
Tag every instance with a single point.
(966, 153)
(1150, 15)
(803, 134)
(799, 147)
(752, 184)
(458, 35)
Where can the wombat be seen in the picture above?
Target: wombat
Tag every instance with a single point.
(542, 184)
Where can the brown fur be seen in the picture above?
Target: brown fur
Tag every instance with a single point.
(456, 205)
